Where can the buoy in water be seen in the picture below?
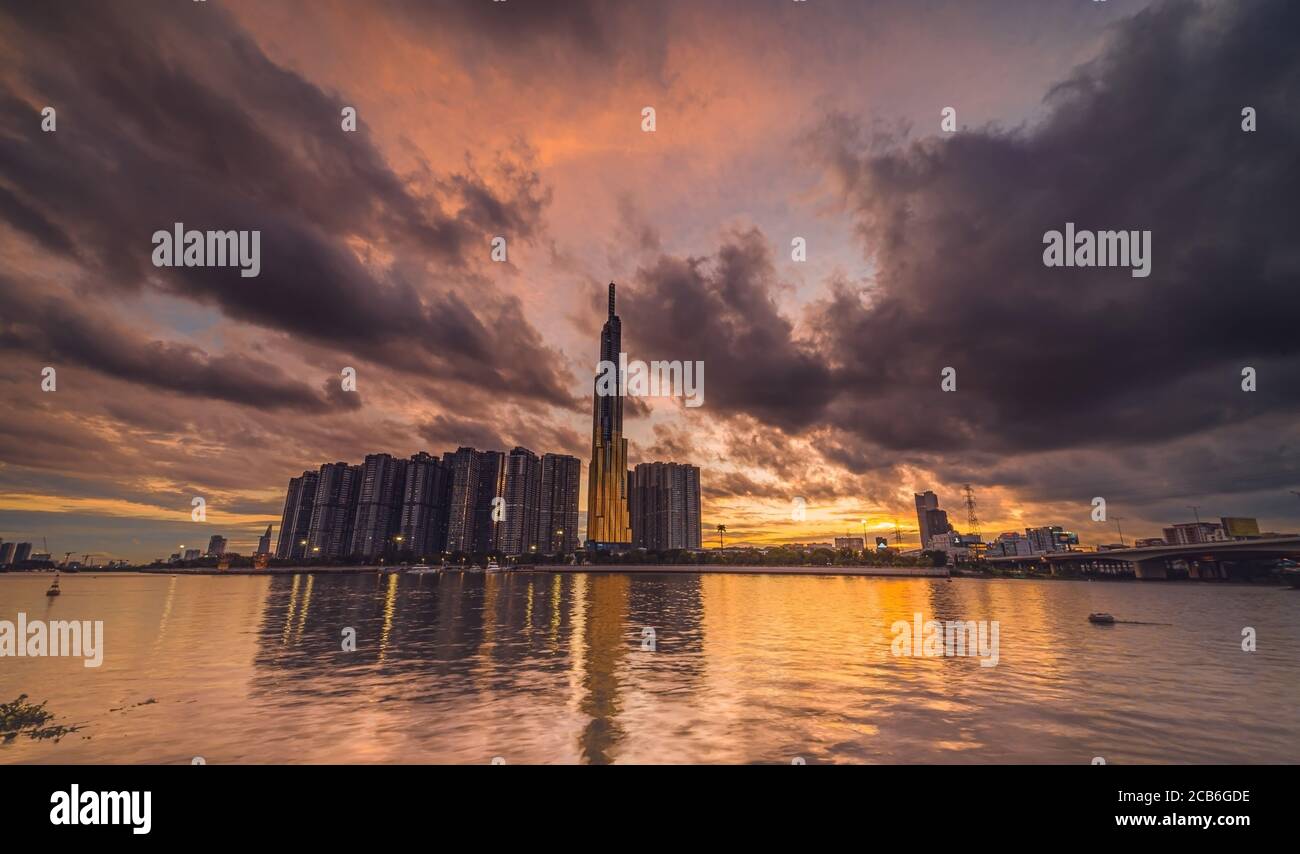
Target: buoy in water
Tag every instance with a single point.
(1101, 619)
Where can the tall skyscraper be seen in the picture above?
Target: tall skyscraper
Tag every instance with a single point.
(379, 505)
(330, 533)
(607, 511)
(491, 484)
(425, 498)
(665, 506)
(216, 546)
(22, 552)
(557, 506)
(516, 533)
(295, 523)
(462, 468)
(7, 553)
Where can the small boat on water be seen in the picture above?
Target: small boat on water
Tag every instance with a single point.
(1289, 572)
(1101, 619)
(424, 569)
(54, 587)
(492, 566)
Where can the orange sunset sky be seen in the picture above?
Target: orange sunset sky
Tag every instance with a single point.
(774, 120)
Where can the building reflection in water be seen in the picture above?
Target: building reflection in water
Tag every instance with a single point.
(483, 639)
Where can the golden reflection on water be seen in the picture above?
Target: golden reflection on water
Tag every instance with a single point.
(549, 667)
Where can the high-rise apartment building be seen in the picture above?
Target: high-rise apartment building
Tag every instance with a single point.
(557, 510)
(295, 522)
(330, 533)
(521, 488)
(425, 499)
(491, 485)
(379, 506)
(462, 469)
(665, 506)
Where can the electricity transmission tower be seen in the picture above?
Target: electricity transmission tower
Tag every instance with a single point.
(972, 518)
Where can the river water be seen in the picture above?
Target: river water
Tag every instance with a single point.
(558, 668)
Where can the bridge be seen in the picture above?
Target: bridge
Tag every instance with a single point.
(1203, 560)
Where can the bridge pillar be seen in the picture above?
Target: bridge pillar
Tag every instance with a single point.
(1150, 569)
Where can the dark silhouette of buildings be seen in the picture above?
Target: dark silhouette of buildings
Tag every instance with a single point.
(426, 507)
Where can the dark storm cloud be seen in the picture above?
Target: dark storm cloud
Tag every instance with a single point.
(449, 432)
(63, 335)
(1147, 137)
(721, 311)
(176, 115)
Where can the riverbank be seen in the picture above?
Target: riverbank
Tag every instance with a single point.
(670, 569)
(719, 569)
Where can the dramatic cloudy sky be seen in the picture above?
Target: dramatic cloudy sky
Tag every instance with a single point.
(775, 120)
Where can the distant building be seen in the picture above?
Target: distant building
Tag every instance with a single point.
(462, 469)
(329, 535)
(955, 545)
(491, 485)
(521, 486)
(379, 506)
(1051, 538)
(1240, 527)
(192, 554)
(216, 546)
(1193, 533)
(855, 544)
(1148, 542)
(926, 503)
(22, 552)
(664, 505)
(295, 521)
(1010, 544)
(557, 509)
(426, 496)
(1110, 547)
(7, 553)
(264, 542)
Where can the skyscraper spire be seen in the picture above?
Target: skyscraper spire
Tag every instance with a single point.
(611, 299)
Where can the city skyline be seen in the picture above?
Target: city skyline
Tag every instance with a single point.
(819, 123)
